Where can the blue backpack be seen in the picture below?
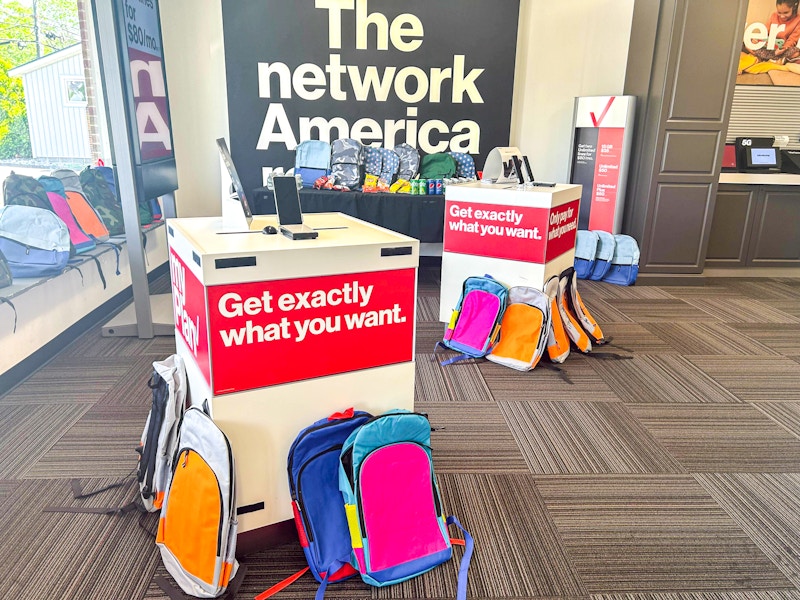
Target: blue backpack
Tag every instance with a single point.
(313, 467)
(465, 165)
(625, 261)
(605, 252)
(475, 322)
(34, 241)
(585, 251)
(312, 160)
(391, 498)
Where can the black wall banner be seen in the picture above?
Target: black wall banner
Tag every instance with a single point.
(438, 75)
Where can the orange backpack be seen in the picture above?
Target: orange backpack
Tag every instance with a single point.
(87, 216)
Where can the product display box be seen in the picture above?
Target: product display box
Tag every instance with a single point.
(278, 333)
(520, 235)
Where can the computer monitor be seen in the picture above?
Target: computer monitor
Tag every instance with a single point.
(237, 183)
(762, 158)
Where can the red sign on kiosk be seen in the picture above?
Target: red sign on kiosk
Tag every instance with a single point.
(536, 235)
(189, 312)
(272, 332)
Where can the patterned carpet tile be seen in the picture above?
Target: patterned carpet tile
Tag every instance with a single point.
(761, 288)
(707, 338)
(94, 346)
(633, 338)
(742, 310)
(544, 383)
(584, 437)
(790, 307)
(754, 378)
(428, 309)
(638, 534)
(783, 338)
(72, 556)
(767, 508)
(68, 381)
(603, 312)
(29, 431)
(708, 291)
(472, 438)
(665, 378)
(131, 393)
(518, 551)
(102, 441)
(598, 289)
(459, 382)
(786, 414)
(720, 438)
(765, 595)
(668, 310)
(428, 333)
(7, 488)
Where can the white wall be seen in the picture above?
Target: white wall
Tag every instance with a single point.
(563, 50)
(195, 63)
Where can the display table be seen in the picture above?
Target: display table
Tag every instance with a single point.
(277, 334)
(518, 235)
(420, 217)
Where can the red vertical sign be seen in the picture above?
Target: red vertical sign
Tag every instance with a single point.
(606, 178)
(189, 312)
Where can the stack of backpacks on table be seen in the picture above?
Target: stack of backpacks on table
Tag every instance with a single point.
(347, 164)
(47, 221)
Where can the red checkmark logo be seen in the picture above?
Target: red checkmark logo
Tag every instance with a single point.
(597, 121)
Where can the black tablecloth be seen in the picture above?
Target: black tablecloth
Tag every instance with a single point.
(421, 217)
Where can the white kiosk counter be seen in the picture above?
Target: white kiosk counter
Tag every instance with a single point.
(520, 235)
(278, 333)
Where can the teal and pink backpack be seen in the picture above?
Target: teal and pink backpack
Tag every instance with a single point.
(474, 324)
(398, 528)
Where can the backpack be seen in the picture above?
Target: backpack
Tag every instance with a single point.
(390, 163)
(524, 329)
(77, 237)
(572, 326)
(197, 527)
(86, 216)
(6, 279)
(160, 436)
(465, 165)
(24, 190)
(99, 195)
(602, 259)
(373, 161)
(391, 498)
(313, 467)
(557, 340)
(52, 184)
(312, 160)
(34, 240)
(144, 207)
(69, 178)
(475, 322)
(439, 165)
(409, 161)
(579, 310)
(347, 162)
(585, 251)
(625, 261)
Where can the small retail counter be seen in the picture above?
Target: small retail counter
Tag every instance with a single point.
(278, 333)
(520, 235)
(756, 221)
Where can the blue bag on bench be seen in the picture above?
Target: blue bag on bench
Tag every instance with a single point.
(34, 240)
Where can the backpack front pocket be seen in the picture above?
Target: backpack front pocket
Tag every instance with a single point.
(400, 508)
(192, 526)
(476, 320)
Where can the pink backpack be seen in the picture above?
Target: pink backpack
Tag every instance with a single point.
(77, 236)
